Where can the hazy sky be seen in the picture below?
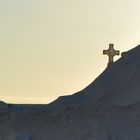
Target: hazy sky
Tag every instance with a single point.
(50, 48)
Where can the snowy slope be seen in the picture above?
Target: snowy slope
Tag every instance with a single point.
(108, 109)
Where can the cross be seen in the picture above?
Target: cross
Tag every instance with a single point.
(111, 52)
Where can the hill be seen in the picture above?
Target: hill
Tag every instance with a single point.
(107, 109)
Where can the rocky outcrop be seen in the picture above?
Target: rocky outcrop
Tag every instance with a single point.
(107, 109)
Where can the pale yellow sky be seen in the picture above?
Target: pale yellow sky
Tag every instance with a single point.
(50, 48)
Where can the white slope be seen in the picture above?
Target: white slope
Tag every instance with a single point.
(108, 109)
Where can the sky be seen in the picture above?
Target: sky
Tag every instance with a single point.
(51, 48)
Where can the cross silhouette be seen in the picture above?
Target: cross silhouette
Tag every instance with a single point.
(111, 52)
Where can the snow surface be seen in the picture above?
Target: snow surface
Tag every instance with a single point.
(108, 109)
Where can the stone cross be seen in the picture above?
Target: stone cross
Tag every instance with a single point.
(111, 52)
